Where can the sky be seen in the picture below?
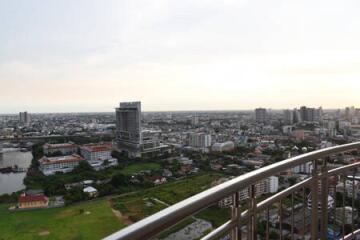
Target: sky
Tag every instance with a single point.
(87, 55)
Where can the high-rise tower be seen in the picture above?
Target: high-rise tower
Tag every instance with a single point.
(128, 128)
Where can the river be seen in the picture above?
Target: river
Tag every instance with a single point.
(13, 182)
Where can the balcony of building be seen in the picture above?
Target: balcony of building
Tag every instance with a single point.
(323, 205)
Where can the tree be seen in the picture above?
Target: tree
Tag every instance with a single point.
(75, 195)
(83, 166)
(261, 228)
(176, 166)
(119, 180)
(274, 235)
(292, 180)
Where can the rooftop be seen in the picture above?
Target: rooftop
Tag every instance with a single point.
(60, 145)
(28, 198)
(61, 159)
(98, 147)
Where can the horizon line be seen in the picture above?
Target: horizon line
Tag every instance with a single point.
(165, 111)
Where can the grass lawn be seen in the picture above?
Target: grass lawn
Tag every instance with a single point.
(137, 206)
(137, 167)
(217, 216)
(95, 221)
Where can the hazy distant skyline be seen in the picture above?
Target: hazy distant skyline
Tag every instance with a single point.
(87, 56)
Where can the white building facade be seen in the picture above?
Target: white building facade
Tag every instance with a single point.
(65, 164)
(268, 185)
(63, 148)
(200, 140)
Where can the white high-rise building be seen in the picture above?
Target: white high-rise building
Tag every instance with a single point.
(288, 117)
(200, 140)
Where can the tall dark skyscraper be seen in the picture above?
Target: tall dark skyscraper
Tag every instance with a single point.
(128, 128)
(310, 114)
(260, 115)
(24, 117)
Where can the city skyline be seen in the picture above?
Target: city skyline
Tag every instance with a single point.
(193, 110)
(188, 55)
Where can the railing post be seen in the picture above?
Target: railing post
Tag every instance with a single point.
(314, 203)
(344, 205)
(253, 219)
(281, 219)
(353, 202)
(235, 216)
(324, 200)
(251, 228)
(267, 223)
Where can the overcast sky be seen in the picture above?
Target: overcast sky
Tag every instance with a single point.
(85, 55)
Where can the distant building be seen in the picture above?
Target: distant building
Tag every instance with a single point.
(32, 201)
(51, 165)
(128, 128)
(91, 191)
(346, 215)
(150, 143)
(223, 147)
(260, 115)
(156, 180)
(296, 116)
(63, 148)
(130, 138)
(185, 161)
(24, 117)
(288, 117)
(303, 168)
(195, 120)
(268, 185)
(299, 134)
(96, 152)
(287, 129)
(310, 114)
(200, 140)
(98, 155)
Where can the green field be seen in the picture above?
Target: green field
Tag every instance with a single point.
(137, 167)
(91, 220)
(141, 204)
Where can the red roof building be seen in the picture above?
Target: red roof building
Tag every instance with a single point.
(37, 201)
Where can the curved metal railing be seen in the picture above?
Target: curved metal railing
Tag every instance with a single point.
(315, 186)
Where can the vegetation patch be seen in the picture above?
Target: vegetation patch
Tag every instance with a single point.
(60, 223)
(141, 204)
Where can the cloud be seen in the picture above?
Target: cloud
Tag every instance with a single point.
(178, 54)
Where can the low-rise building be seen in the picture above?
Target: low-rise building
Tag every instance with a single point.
(156, 180)
(346, 216)
(91, 191)
(185, 161)
(223, 147)
(32, 201)
(65, 164)
(98, 155)
(63, 148)
(96, 152)
(268, 185)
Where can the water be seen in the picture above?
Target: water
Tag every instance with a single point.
(13, 182)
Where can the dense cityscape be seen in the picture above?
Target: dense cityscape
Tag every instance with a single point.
(179, 120)
(141, 162)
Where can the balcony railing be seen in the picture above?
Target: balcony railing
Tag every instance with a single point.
(318, 221)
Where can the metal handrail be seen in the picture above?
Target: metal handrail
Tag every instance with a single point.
(168, 217)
